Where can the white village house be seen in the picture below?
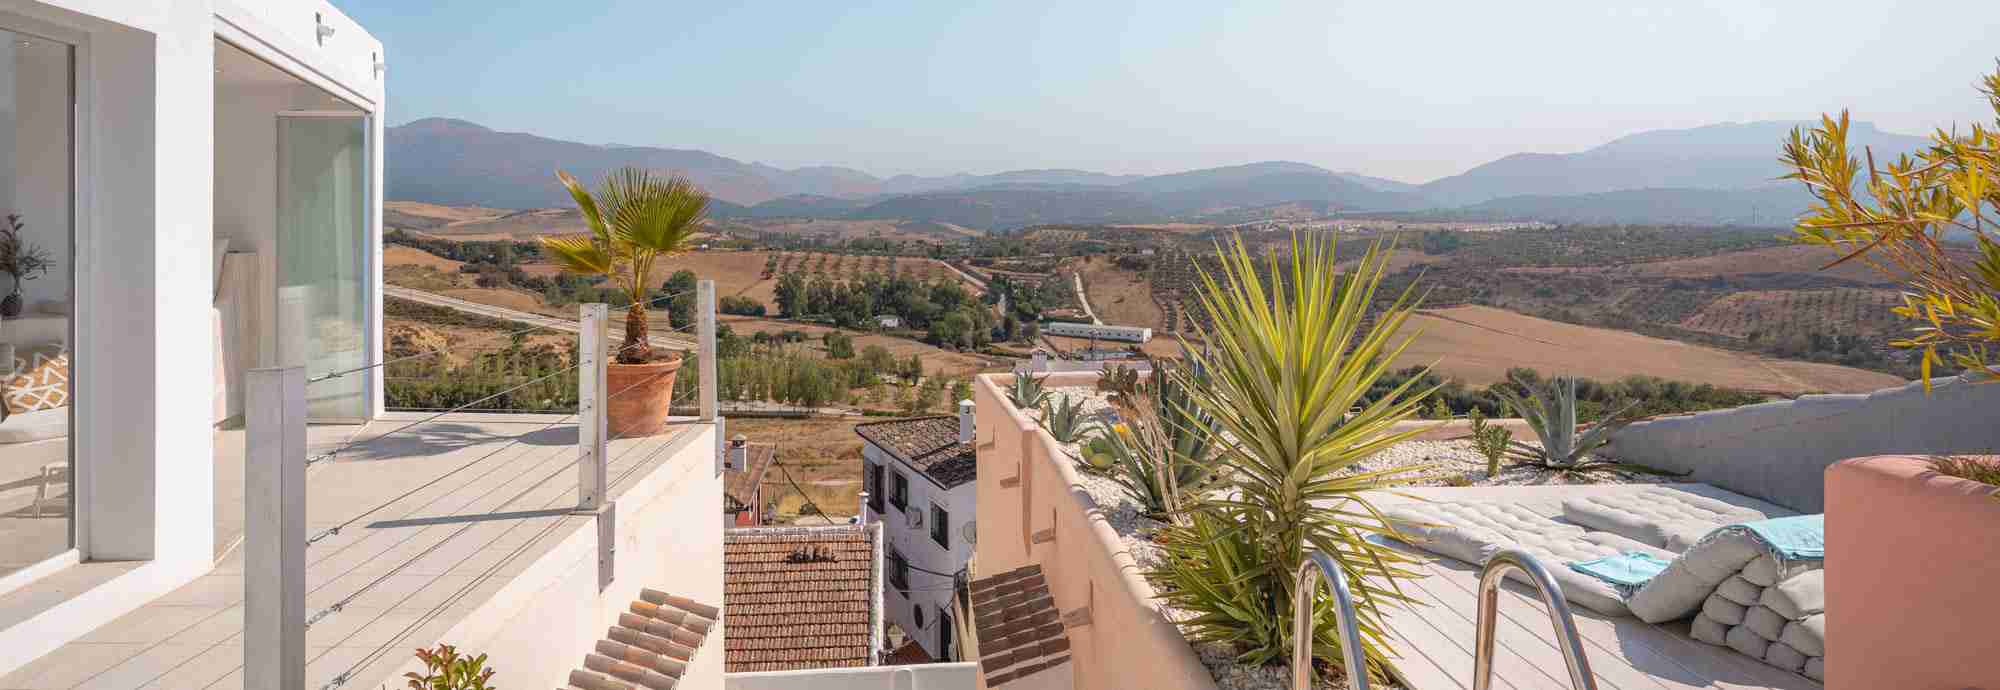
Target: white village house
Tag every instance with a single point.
(919, 478)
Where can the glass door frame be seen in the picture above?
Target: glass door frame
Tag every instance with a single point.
(366, 251)
(79, 445)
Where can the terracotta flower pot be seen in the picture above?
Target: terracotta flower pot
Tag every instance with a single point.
(641, 395)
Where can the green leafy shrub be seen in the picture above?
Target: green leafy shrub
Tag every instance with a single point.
(446, 669)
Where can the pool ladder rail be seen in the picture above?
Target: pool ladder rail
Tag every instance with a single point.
(1318, 566)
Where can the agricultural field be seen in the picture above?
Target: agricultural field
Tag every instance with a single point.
(822, 455)
(840, 229)
(936, 360)
(1772, 312)
(1476, 345)
(1119, 296)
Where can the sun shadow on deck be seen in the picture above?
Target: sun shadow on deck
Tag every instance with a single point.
(439, 438)
(459, 519)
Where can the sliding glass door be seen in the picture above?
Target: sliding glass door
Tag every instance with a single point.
(37, 277)
(322, 300)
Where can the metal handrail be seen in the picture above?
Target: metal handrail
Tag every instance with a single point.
(1496, 570)
(1303, 589)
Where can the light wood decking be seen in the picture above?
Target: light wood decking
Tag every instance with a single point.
(1625, 653)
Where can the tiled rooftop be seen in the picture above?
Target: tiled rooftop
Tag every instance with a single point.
(1020, 631)
(739, 487)
(799, 597)
(929, 444)
(649, 647)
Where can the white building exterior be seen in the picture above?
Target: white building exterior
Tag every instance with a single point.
(919, 474)
(1130, 334)
(140, 140)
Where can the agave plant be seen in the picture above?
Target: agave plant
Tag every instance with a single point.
(1551, 413)
(1065, 419)
(1139, 454)
(1285, 363)
(1027, 392)
(636, 218)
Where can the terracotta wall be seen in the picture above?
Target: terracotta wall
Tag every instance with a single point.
(1912, 566)
(1128, 644)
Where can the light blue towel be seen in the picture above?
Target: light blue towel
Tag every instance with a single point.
(1799, 536)
(1629, 569)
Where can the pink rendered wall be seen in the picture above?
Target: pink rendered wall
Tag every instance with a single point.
(1912, 577)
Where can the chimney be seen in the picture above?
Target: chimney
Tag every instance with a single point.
(739, 454)
(965, 425)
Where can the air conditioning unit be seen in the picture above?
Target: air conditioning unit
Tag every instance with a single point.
(915, 518)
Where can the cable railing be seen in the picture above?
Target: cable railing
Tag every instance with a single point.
(274, 644)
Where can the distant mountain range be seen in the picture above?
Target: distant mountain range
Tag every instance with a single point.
(1723, 173)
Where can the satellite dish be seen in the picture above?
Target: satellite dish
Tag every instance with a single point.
(970, 532)
(916, 518)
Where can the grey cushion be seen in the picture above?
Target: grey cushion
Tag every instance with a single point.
(1690, 580)
(1708, 630)
(1724, 611)
(1815, 669)
(1743, 640)
(1765, 622)
(1739, 590)
(1783, 656)
(1663, 517)
(1798, 596)
(1808, 636)
(1474, 531)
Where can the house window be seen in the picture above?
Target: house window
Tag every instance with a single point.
(38, 358)
(918, 611)
(899, 571)
(940, 518)
(873, 475)
(901, 497)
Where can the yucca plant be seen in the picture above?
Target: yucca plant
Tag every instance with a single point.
(635, 219)
(1285, 363)
(1551, 413)
(1064, 419)
(1027, 392)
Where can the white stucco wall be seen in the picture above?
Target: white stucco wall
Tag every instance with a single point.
(145, 222)
(932, 592)
(669, 538)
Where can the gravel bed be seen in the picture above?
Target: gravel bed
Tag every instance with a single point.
(1434, 463)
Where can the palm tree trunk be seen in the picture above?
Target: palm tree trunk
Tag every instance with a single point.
(638, 348)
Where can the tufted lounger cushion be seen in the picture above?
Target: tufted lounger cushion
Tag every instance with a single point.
(1667, 518)
(1474, 531)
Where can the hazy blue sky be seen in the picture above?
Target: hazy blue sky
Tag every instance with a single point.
(1409, 90)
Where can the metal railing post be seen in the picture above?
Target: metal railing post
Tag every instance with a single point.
(705, 346)
(1490, 577)
(1303, 588)
(274, 543)
(591, 401)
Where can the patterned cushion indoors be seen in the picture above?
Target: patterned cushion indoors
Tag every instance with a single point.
(40, 380)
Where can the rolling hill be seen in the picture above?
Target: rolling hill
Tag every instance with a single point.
(1721, 156)
(1724, 173)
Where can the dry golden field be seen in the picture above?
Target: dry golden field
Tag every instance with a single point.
(1118, 296)
(822, 455)
(1477, 345)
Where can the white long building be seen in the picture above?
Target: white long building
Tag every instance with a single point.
(1130, 334)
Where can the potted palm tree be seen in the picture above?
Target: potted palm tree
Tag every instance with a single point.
(635, 219)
